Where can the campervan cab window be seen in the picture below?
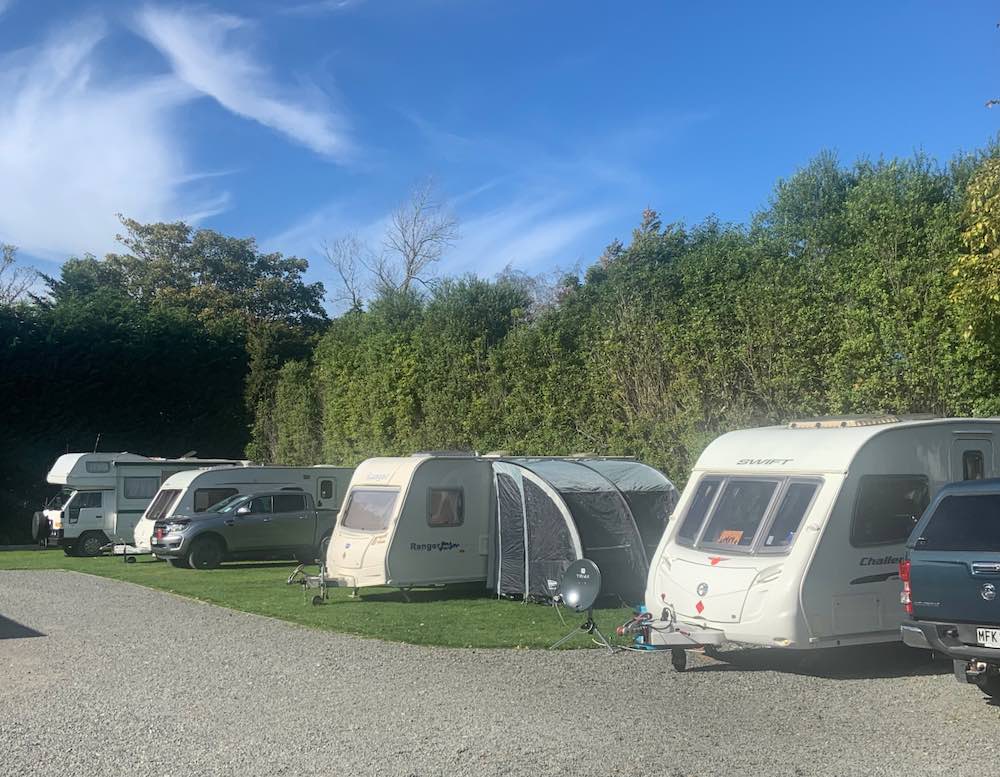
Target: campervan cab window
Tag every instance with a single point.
(739, 510)
(887, 508)
(445, 507)
(141, 488)
(207, 497)
(370, 509)
(98, 467)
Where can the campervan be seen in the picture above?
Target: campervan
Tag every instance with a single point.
(109, 492)
(513, 523)
(195, 491)
(790, 536)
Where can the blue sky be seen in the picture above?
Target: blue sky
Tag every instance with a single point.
(547, 127)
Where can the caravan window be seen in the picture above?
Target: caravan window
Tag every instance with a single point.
(888, 508)
(163, 502)
(141, 488)
(326, 489)
(445, 507)
(369, 509)
(739, 512)
(788, 517)
(973, 466)
(209, 497)
(696, 512)
(98, 467)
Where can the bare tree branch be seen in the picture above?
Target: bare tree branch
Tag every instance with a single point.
(419, 232)
(14, 281)
(348, 255)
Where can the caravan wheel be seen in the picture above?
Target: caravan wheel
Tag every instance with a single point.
(990, 685)
(679, 659)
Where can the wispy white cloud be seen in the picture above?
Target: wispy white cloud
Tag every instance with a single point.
(75, 151)
(4, 5)
(204, 52)
(319, 7)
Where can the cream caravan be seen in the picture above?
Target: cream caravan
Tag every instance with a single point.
(110, 493)
(790, 536)
(513, 523)
(195, 491)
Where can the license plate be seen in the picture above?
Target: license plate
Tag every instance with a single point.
(988, 637)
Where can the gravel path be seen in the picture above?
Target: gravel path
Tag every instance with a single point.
(130, 681)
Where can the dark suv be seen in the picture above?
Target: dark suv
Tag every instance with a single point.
(280, 524)
(951, 581)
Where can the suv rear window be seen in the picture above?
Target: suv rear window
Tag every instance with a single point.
(964, 523)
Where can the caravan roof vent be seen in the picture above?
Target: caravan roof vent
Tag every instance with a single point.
(497, 455)
(424, 454)
(845, 422)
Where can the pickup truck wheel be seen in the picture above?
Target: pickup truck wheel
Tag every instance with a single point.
(70, 549)
(990, 685)
(90, 543)
(179, 563)
(206, 553)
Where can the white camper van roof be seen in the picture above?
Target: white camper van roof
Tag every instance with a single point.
(71, 469)
(820, 445)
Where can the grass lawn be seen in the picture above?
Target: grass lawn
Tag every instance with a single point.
(456, 616)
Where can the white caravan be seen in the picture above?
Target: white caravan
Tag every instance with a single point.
(110, 491)
(194, 491)
(790, 536)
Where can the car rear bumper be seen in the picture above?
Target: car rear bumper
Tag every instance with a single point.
(955, 640)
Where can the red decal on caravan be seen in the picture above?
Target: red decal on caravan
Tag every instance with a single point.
(713, 560)
(699, 607)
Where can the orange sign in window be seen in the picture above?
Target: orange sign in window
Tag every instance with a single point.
(730, 537)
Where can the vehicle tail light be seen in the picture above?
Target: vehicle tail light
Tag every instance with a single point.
(905, 598)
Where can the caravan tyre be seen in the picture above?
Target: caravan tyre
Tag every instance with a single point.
(90, 543)
(206, 553)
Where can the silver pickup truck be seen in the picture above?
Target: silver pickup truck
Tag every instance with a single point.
(266, 525)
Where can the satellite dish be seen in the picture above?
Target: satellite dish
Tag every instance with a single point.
(580, 585)
(579, 588)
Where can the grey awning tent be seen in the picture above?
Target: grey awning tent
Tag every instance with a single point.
(551, 511)
(649, 494)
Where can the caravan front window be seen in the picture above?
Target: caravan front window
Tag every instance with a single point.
(751, 514)
(162, 504)
(696, 513)
(370, 509)
(738, 514)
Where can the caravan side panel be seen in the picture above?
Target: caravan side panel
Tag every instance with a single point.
(443, 532)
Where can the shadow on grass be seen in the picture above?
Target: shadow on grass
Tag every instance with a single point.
(458, 591)
(881, 661)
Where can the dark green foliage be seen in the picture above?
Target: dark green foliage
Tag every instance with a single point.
(835, 299)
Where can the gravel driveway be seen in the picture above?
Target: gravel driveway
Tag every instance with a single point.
(123, 680)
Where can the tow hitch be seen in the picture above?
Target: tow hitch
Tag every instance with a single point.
(669, 634)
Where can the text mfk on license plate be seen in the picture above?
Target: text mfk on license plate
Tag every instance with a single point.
(988, 637)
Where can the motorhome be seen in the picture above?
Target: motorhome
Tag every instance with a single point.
(109, 492)
(513, 523)
(790, 536)
(195, 491)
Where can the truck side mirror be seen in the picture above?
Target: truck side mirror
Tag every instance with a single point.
(243, 510)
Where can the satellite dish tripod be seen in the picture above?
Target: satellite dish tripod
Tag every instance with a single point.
(578, 589)
(587, 627)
